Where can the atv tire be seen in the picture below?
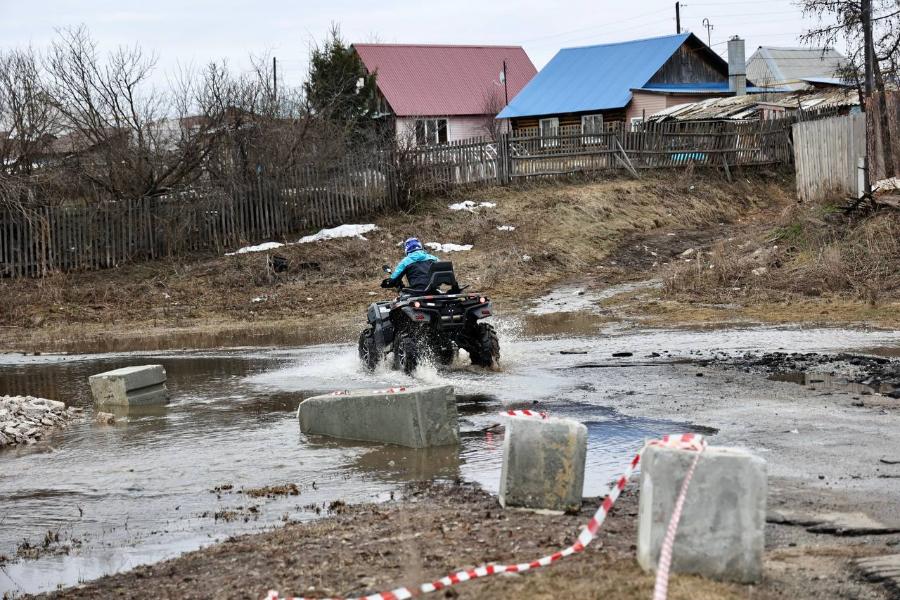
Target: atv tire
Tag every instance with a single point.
(368, 350)
(483, 346)
(406, 353)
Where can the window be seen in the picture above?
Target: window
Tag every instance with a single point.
(431, 131)
(637, 123)
(550, 131)
(591, 124)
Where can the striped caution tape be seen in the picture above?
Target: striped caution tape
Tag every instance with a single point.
(687, 441)
(524, 413)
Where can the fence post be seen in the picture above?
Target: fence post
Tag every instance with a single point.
(504, 164)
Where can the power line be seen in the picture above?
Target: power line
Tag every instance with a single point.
(607, 24)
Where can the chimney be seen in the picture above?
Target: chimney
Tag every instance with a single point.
(737, 67)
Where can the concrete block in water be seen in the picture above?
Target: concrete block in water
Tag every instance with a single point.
(543, 464)
(413, 417)
(130, 386)
(720, 534)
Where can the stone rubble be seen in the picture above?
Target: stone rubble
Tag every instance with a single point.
(26, 419)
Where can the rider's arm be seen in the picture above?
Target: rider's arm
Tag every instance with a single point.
(400, 268)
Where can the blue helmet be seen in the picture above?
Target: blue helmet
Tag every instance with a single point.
(411, 245)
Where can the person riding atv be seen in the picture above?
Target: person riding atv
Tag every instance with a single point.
(416, 266)
(431, 318)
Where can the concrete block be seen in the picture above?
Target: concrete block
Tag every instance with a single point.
(130, 386)
(543, 464)
(413, 417)
(720, 535)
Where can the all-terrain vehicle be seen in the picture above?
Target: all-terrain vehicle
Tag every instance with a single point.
(429, 323)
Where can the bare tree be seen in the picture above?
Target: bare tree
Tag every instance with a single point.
(491, 105)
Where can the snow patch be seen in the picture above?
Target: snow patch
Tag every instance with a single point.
(341, 231)
(257, 248)
(471, 205)
(438, 247)
(505, 228)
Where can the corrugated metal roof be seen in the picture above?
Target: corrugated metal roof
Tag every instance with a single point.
(748, 106)
(434, 80)
(593, 77)
(789, 67)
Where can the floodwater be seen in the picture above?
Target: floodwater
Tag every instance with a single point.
(155, 484)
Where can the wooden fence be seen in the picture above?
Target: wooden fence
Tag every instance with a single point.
(827, 157)
(109, 233)
(527, 153)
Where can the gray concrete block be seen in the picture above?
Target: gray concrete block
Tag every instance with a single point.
(543, 464)
(720, 535)
(130, 386)
(413, 417)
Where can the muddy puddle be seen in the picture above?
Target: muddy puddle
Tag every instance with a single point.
(165, 481)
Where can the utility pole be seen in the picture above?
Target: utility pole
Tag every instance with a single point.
(866, 10)
(505, 87)
(274, 78)
(678, 17)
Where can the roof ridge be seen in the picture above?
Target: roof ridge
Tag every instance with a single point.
(438, 45)
(799, 48)
(685, 35)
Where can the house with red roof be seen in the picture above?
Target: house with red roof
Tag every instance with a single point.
(434, 94)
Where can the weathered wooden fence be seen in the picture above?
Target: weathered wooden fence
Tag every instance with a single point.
(109, 233)
(827, 156)
(528, 153)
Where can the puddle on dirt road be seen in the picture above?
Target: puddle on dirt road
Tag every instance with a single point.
(824, 381)
(155, 484)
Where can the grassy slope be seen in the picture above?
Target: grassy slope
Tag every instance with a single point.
(568, 229)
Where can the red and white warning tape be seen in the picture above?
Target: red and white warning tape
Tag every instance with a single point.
(687, 441)
(524, 413)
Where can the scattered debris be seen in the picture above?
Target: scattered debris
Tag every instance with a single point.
(271, 491)
(105, 418)
(26, 419)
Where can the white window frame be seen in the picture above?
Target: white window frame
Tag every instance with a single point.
(553, 139)
(589, 126)
(636, 121)
(431, 130)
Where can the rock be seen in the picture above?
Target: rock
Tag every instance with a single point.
(104, 418)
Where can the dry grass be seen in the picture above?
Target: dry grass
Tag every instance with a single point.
(565, 229)
(812, 250)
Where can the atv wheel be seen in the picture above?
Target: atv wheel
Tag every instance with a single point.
(484, 347)
(368, 350)
(406, 353)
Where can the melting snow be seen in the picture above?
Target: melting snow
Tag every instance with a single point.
(505, 228)
(341, 231)
(438, 247)
(257, 248)
(470, 205)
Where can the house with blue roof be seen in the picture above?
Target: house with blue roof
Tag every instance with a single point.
(593, 87)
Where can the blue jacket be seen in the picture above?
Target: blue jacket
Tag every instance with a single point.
(417, 276)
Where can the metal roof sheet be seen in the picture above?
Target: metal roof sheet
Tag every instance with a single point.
(790, 66)
(593, 77)
(444, 80)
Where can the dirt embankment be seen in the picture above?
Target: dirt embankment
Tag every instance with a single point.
(562, 231)
(440, 528)
(596, 233)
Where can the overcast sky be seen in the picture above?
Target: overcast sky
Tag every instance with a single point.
(196, 31)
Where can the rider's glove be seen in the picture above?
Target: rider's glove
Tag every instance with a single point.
(387, 283)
